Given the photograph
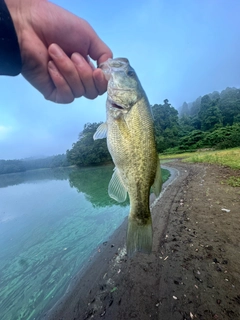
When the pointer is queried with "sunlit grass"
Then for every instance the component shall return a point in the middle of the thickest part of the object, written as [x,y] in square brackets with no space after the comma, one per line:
[175,156]
[228,157]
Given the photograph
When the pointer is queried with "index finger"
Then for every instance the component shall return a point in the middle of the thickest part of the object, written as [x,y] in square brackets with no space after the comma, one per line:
[98,50]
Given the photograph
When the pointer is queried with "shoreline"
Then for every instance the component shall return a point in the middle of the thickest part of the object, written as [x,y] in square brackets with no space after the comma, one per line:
[193,270]
[106,255]
[100,257]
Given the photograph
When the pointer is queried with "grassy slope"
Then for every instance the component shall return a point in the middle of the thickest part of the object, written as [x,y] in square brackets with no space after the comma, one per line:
[228,157]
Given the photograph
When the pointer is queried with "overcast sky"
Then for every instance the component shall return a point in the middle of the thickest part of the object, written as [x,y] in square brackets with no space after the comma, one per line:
[179,49]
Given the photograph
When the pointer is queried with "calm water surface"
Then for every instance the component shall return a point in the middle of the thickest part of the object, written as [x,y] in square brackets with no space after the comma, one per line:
[51,222]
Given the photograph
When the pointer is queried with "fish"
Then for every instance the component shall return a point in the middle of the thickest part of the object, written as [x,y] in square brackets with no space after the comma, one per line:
[129,130]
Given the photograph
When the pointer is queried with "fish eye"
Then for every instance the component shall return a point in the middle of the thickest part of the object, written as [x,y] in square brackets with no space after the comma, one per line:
[130,73]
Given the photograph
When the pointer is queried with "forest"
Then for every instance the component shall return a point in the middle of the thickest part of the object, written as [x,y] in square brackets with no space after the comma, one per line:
[211,121]
[13,166]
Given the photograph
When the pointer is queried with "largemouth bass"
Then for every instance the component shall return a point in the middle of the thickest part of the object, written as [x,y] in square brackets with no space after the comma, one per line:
[130,139]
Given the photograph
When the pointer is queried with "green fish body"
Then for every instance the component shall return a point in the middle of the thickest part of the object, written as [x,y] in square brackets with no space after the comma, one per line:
[130,138]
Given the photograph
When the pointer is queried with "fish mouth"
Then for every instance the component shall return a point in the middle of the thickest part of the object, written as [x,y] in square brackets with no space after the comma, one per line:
[116,106]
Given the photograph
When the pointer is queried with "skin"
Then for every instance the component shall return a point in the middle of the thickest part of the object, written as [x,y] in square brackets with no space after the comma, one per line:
[55,45]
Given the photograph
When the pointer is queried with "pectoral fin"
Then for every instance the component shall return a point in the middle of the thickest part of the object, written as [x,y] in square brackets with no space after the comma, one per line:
[116,188]
[157,185]
[101,132]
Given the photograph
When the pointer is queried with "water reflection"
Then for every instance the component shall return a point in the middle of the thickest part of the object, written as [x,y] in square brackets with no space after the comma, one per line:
[14,179]
[93,183]
[48,230]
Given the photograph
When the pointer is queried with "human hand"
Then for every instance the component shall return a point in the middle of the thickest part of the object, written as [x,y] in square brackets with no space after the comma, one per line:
[55,45]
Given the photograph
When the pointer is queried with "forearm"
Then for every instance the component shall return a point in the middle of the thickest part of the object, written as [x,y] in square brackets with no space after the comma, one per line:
[10,56]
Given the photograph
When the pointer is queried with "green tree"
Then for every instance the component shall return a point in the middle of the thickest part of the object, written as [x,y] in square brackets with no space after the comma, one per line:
[194,107]
[186,126]
[229,105]
[166,125]
[209,113]
[184,110]
[86,151]
[11,166]
[192,141]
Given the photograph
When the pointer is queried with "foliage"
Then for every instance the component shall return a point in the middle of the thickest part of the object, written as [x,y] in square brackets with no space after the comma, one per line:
[234,181]
[166,125]
[223,138]
[9,166]
[86,151]
[193,140]
[209,113]
[212,121]
[59,160]
[14,166]
[229,105]
[214,108]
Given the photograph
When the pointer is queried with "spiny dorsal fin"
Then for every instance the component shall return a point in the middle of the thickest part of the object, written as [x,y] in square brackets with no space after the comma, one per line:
[116,188]
[101,132]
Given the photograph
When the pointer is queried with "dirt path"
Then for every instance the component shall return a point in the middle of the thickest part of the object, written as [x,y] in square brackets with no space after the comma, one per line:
[193,271]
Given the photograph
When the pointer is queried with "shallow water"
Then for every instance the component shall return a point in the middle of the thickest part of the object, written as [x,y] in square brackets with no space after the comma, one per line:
[51,221]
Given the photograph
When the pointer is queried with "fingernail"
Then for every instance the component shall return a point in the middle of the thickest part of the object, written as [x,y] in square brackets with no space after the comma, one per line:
[52,66]
[55,51]
[77,58]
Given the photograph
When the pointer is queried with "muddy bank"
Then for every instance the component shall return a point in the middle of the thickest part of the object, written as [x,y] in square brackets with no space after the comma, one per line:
[193,271]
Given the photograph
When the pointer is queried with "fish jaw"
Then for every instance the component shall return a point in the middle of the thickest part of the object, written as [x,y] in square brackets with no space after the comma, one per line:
[124,88]
[112,65]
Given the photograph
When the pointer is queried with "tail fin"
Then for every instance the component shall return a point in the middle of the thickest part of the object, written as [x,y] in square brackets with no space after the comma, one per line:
[139,237]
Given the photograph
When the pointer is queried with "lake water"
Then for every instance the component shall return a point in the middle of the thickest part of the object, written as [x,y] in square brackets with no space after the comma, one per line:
[51,223]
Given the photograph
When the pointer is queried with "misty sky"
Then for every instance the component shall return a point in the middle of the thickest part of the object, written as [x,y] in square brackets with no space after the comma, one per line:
[179,49]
